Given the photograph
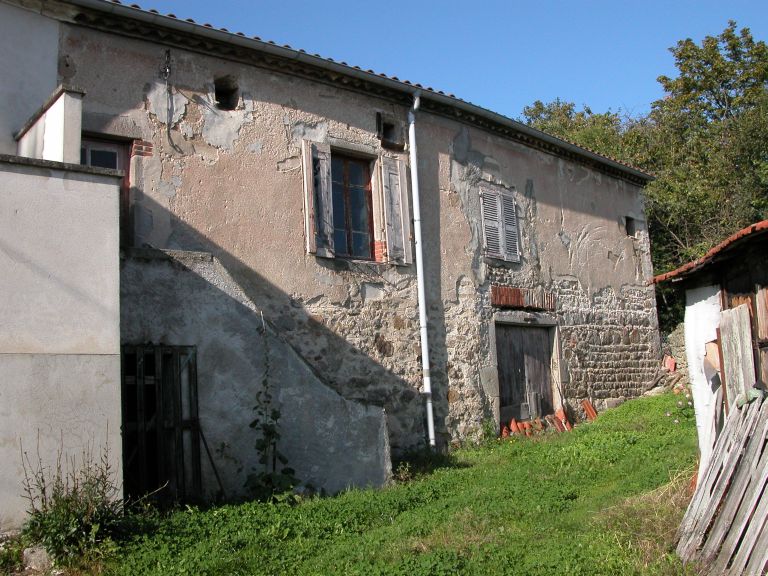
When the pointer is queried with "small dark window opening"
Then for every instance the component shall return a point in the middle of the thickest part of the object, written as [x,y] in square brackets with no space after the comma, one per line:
[227,93]
[630,225]
[389,132]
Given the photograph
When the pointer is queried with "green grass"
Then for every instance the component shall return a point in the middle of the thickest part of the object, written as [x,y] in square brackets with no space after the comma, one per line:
[604,499]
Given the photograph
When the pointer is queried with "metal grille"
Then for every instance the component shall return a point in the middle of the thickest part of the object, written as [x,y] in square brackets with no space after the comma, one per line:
[161,428]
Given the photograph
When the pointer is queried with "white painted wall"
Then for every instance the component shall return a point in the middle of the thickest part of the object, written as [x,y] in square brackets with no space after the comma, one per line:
[29,44]
[59,321]
[57,133]
[59,264]
[702,317]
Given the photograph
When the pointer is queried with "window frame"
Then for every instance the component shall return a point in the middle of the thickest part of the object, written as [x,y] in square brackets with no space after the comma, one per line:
[367,165]
[498,210]
[88,145]
[390,221]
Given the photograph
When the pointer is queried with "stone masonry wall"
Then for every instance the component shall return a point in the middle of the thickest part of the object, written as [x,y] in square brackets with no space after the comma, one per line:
[230,183]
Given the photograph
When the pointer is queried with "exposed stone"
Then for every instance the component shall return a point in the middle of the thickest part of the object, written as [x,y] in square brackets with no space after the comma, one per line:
[36,558]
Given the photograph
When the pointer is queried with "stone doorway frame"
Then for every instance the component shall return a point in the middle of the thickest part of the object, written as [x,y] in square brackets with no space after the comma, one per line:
[530,319]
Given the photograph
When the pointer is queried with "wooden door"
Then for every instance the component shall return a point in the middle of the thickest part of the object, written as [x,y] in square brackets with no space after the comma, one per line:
[524,356]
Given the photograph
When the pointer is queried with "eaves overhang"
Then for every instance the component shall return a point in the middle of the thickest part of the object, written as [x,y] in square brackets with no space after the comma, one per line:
[726,246]
[115,17]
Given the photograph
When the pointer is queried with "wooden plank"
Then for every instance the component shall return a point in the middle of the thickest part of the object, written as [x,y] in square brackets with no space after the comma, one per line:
[536,348]
[736,345]
[710,492]
[724,528]
[750,518]
[710,476]
[761,312]
[723,383]
[759,561]
[751,537]
[736,548]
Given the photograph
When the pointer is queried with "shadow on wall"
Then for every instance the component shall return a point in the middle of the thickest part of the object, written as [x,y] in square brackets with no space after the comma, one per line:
[335,433]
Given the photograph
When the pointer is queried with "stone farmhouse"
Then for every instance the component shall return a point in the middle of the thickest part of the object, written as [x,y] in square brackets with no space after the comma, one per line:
[189,216]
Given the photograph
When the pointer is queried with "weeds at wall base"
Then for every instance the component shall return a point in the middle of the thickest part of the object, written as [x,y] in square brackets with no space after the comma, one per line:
[75,507]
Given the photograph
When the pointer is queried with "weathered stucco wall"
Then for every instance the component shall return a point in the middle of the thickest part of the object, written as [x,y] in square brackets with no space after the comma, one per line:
[574,245]
[59,314]
[29,45]
[189,299]
[230,183]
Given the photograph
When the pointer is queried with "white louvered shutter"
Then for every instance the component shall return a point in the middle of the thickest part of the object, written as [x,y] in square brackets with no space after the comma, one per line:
[492,230]
[509,223]
[318,202]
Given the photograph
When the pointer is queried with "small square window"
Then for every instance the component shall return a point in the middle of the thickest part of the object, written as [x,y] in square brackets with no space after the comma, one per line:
[101,154]
[390,132]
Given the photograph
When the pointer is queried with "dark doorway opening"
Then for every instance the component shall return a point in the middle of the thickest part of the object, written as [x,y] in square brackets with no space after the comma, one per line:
[161,428]
[524,357]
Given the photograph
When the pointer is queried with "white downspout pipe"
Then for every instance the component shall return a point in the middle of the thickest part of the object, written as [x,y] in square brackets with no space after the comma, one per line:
[420,267]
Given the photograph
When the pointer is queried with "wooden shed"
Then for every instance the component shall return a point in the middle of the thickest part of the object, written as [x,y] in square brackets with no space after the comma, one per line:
[726,326]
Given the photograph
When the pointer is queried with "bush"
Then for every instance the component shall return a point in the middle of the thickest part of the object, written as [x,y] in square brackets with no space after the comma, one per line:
[75,510]
[10,554]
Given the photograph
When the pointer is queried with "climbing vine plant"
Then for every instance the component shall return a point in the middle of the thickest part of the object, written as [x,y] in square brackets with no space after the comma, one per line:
[273,476]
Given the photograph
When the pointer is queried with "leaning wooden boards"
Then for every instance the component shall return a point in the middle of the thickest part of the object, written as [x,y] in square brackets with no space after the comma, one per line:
[738,360]
[725,528]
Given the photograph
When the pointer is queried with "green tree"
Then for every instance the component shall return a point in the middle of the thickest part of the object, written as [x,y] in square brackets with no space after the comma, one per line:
[599,132]
[706,142]
[709,146]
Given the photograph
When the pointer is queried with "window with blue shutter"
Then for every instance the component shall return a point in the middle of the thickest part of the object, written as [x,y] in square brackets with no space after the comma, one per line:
[500,228]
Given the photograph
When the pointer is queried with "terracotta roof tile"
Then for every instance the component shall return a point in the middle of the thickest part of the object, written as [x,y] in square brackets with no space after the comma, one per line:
[695,265]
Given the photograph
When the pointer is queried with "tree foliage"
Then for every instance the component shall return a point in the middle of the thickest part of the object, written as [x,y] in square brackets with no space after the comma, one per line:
[706,142]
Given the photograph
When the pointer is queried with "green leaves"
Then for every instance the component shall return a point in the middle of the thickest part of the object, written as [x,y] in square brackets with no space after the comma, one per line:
[706,142]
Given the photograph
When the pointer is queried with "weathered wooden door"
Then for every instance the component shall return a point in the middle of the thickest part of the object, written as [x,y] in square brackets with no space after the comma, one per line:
[524,356]
[161,439]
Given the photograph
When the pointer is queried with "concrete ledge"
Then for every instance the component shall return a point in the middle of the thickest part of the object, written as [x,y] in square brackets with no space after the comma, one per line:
[52,165]
[151,253]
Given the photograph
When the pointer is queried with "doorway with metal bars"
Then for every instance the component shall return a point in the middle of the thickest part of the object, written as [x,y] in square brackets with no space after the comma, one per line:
[161,425]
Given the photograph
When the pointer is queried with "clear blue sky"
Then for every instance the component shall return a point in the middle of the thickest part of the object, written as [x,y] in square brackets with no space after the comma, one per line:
[501,55]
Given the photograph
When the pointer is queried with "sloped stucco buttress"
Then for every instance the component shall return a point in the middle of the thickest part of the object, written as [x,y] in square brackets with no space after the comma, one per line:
[188,299]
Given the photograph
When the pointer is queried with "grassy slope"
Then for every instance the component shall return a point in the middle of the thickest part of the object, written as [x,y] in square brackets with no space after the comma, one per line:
[588,502]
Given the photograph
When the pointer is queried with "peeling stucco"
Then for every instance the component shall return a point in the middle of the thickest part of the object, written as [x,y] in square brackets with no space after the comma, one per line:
[165,103]
[231,183]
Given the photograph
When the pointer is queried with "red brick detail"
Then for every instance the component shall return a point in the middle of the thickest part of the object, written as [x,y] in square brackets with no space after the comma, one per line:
[380,251]
[509,297]
[142,148]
